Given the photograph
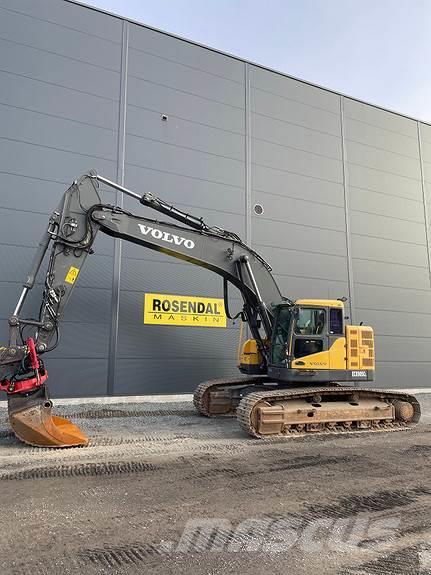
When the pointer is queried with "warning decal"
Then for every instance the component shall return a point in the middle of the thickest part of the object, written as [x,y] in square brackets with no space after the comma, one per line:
[72,274]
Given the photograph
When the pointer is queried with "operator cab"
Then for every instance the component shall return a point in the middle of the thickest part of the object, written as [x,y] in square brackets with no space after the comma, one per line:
[307,335]
[306,328]
[310,339]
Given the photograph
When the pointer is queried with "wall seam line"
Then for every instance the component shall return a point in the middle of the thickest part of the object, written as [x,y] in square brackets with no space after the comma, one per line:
[247,157]
[424,198]
[116,279]
[247,165]
[347,215]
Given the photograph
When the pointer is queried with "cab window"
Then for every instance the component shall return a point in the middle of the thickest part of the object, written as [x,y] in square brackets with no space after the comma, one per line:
[336,321]
[305,347]
[281,334]
[310,321]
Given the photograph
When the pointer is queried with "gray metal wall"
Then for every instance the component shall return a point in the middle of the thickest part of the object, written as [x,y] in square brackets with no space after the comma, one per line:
[345,186]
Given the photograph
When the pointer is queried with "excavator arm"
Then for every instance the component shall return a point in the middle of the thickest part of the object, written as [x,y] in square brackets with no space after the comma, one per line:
[70,235]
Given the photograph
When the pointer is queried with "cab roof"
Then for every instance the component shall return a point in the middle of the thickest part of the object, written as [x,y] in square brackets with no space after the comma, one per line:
[320,302]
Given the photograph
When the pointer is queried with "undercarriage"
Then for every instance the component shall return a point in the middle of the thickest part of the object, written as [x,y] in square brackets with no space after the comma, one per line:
[265,408]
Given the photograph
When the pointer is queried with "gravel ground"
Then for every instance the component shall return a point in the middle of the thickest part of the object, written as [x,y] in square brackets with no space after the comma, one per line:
[161,490]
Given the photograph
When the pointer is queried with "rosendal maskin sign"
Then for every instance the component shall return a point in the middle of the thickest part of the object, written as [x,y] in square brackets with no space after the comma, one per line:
[163,309]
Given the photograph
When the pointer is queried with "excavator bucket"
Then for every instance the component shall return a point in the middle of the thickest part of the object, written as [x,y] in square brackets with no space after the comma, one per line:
[32,422]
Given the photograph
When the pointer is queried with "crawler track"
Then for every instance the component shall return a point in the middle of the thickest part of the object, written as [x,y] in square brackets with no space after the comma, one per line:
[201,393]
[250,402]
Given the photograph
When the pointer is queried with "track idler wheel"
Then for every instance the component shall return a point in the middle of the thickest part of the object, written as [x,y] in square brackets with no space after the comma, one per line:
[404,411]
[32,422]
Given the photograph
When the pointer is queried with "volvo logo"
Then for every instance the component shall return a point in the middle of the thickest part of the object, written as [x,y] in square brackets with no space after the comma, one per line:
[166,237]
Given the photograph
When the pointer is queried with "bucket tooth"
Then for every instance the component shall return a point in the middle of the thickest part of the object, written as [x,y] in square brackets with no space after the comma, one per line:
[32,422]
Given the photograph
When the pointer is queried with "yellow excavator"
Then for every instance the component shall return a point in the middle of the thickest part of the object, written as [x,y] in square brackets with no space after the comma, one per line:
[302,366]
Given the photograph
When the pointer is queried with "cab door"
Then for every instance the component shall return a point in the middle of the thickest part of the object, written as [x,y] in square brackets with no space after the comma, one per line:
[337,339]
[281,336]
[311,338]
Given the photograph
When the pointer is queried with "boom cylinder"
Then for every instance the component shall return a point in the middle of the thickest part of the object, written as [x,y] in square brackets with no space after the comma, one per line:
[261,304]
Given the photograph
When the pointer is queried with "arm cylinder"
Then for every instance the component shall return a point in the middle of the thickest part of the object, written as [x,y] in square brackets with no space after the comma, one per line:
[38,258]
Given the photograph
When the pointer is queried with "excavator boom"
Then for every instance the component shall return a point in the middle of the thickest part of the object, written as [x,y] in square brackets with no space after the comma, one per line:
[70,235]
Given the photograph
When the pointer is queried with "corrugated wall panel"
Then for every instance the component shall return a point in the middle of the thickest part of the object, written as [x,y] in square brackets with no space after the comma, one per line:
[297,176]
[69,15]
[59,117]
[170,375]
[389,240]
[196,160]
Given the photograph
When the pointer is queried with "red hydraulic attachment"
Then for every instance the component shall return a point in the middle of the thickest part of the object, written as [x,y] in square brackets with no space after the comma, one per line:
[29,409]
[25,385]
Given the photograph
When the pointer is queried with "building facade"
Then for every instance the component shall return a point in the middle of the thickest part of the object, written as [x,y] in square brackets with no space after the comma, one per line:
[344,185]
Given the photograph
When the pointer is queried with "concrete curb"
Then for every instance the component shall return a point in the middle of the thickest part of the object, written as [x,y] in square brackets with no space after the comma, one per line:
[125,399]
[119,399]
[162,398]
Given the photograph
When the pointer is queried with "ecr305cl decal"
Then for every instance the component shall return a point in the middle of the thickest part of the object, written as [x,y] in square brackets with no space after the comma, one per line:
[166,237]
[163,309]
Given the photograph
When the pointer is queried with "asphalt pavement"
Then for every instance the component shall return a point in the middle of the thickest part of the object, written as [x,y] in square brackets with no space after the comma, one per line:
[162,490]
